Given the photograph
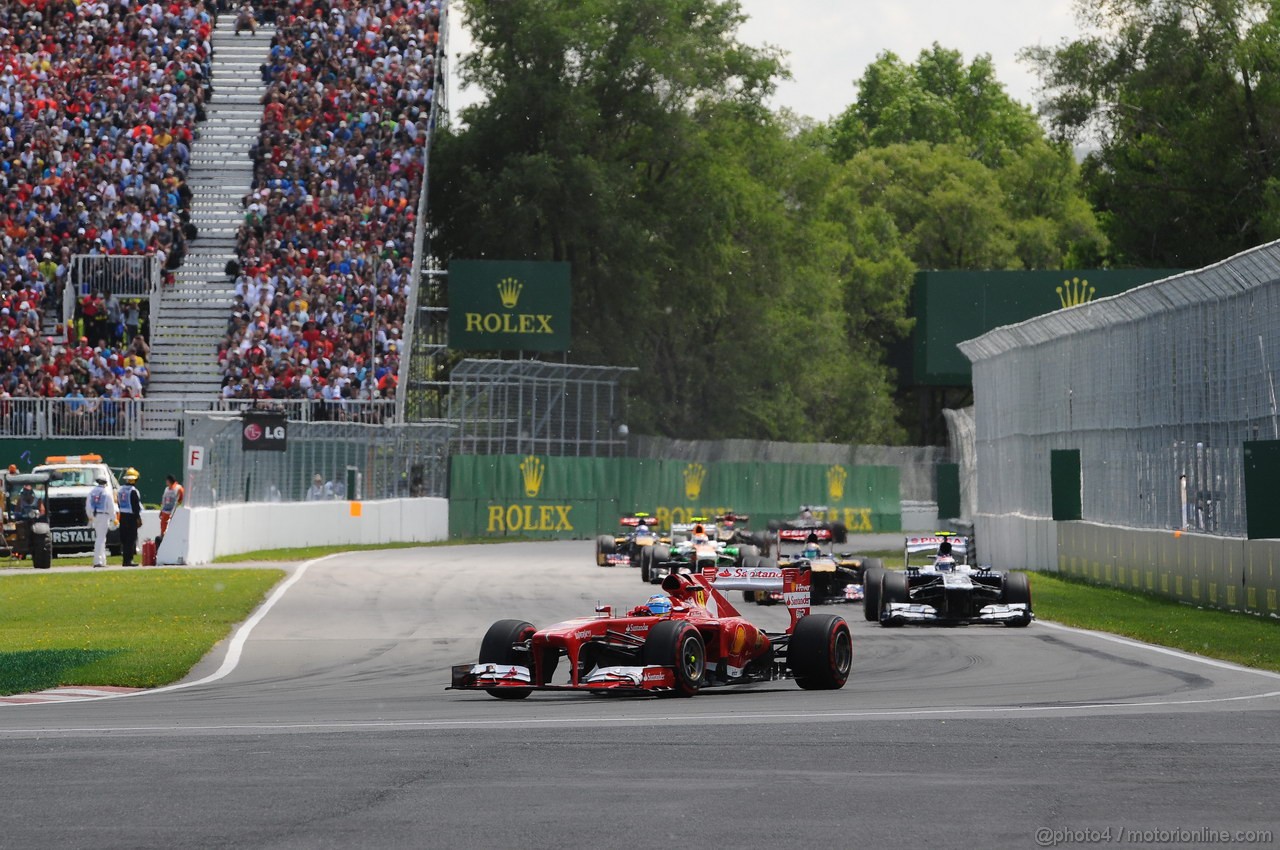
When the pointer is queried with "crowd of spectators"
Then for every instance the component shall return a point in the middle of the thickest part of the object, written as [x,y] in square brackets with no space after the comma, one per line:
[99,102]
[325,250]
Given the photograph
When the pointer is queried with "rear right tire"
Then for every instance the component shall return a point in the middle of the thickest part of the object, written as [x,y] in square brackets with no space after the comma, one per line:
[820,652]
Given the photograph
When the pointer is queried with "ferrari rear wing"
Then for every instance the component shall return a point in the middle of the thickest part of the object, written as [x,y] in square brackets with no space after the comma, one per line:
[793,582]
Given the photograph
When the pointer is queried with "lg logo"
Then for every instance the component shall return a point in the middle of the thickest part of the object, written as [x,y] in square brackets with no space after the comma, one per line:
[255,432]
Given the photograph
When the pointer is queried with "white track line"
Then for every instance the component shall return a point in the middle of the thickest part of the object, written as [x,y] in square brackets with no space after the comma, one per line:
[615,720]
[1163,650]
[234,650]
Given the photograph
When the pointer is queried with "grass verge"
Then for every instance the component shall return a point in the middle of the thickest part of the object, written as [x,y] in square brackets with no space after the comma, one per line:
[142,629]
[300,554]
[1240,638]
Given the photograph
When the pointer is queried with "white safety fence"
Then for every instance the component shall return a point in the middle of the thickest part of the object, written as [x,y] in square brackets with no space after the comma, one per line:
[129,418]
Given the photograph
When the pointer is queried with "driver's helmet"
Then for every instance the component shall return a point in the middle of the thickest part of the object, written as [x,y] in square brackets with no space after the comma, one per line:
[944,564]
[811,551]
[642,529]
[659,604]
[700,537]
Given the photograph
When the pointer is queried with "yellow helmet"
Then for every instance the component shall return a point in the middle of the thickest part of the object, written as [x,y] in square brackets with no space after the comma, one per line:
[130,475]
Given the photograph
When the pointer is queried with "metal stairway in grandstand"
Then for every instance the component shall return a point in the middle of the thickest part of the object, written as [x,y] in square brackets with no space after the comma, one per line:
[190,316]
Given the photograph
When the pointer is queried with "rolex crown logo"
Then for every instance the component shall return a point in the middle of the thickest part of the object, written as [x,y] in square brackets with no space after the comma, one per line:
[531,470]
[836,476]
[694,475]
[1075,291]
[509,291]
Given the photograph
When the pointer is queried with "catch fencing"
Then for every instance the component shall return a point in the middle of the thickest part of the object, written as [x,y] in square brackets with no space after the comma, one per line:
[1158,389]
[353,461]
[533,407]
[1138,413]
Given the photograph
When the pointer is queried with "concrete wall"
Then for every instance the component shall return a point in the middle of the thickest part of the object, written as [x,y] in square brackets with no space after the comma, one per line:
[919,516]
[198,535]
[1230,573]
[1012,542]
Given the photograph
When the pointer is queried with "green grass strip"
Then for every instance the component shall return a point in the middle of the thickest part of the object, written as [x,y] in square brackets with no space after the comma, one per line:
[1240,638]
[130,629]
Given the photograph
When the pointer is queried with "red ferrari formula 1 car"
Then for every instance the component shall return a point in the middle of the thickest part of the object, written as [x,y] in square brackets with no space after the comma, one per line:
[688,638]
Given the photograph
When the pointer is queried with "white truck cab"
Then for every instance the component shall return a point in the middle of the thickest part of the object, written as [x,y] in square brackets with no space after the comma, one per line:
[70,527]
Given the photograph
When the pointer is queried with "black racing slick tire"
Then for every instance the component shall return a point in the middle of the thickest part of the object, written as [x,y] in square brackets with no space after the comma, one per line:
[820,652]
[605,545]
[677,644]
[500,646]
[657,572]
[893,588]
[646,559]
[871,579]
[1017,589]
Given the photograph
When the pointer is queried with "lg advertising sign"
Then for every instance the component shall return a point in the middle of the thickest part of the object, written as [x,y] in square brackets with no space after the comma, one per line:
[508,305]
[263,432]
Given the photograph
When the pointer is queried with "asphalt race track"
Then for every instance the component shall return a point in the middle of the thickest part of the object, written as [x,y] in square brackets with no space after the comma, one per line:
[327,725]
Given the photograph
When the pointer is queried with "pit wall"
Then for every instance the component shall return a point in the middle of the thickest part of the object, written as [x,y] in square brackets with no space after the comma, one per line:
[1229,573]
[198,535]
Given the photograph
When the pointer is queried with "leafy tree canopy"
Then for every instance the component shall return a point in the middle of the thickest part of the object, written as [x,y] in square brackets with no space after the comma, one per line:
[1183,99]
[631,140]
[965,172]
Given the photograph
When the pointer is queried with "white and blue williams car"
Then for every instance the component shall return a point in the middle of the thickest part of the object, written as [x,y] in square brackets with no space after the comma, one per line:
[946,590]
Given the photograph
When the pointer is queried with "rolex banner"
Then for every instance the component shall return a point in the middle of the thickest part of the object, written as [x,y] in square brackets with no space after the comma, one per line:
[508,305]
[567,497]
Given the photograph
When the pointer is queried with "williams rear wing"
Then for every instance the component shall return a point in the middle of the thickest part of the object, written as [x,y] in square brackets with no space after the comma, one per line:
[959,546]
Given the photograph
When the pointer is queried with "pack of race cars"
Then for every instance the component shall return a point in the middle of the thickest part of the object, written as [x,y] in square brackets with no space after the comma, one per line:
[691,637]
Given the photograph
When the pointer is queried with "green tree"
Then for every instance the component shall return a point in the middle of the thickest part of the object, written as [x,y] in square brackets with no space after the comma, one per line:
[938,100]
[964,170]
[1182,98]
[631,140]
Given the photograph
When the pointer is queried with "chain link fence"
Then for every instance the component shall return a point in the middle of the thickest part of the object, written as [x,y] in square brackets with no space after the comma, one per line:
[347,460]
[533,407]
[1157,388]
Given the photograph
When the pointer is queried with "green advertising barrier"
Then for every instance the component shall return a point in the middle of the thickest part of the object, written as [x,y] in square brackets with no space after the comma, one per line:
[154,459]
[565,497]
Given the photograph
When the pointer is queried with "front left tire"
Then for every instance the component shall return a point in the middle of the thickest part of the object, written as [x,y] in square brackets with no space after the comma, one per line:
[677,644]
[500,645]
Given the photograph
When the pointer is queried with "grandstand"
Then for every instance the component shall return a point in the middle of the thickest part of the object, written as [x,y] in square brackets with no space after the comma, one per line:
[236,213]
